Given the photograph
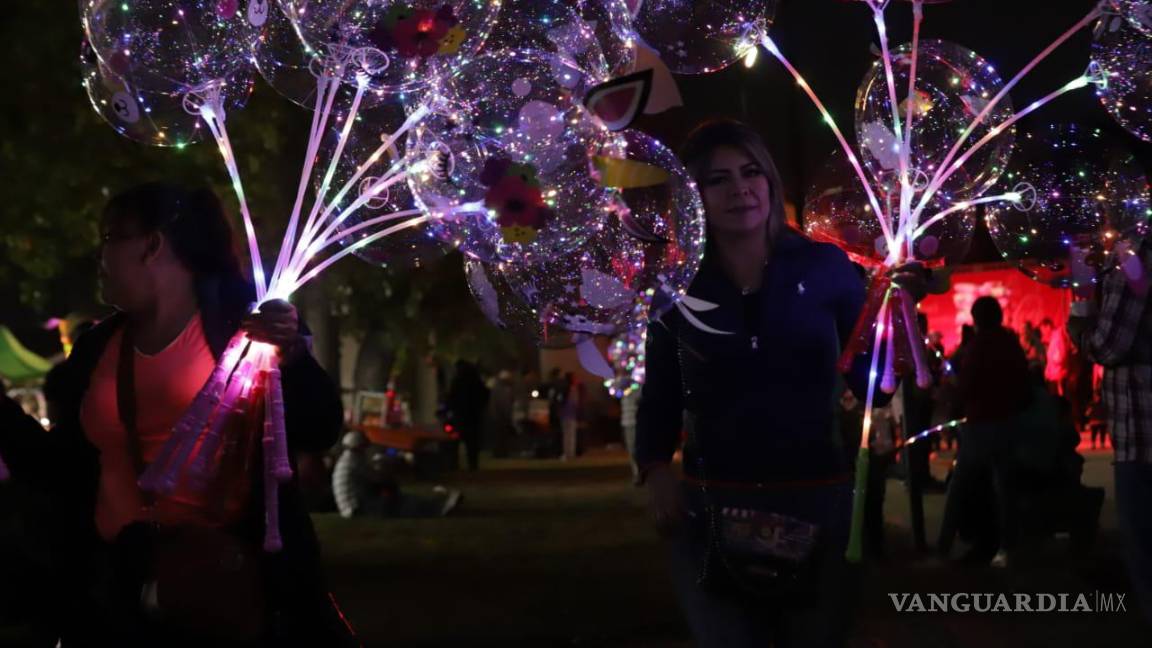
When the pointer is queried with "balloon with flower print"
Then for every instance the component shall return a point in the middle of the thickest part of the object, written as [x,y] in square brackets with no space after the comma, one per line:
[503,162]
[394,46]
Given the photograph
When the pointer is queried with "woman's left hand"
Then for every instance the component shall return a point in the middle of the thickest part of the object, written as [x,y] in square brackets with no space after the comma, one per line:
[276,323]
[912,278]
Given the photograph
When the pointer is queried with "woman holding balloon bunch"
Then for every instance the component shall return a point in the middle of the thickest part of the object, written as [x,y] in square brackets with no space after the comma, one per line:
[754,384]
[137,568]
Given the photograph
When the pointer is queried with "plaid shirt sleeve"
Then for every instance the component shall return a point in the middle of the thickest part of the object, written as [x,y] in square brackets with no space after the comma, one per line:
[1109,337]
[1120,338]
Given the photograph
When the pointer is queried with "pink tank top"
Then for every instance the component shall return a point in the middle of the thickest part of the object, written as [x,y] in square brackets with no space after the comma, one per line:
[165,384]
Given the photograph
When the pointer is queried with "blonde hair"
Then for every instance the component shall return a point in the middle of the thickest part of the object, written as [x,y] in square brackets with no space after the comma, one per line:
[701,144]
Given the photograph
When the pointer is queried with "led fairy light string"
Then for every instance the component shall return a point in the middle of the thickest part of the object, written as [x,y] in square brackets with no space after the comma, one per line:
[947,167]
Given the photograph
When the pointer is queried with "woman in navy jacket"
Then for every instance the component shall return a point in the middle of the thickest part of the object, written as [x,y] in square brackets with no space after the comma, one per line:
[758,403]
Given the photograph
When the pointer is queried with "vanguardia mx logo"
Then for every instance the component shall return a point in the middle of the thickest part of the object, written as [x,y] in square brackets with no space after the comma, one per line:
[987,602]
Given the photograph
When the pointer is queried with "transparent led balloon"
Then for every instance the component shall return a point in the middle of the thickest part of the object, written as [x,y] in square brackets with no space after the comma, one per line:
[700,36]
[953,86]
[1124,57]
[174,45]
[555,27]
[611,21]
[381,177]
[503,163]
[147,116]
[837,211]
[398,45]
[1087,193]
[657,203]
[288,65]
[643,256]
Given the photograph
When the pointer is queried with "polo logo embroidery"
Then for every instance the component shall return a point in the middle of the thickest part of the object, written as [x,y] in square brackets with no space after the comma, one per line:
[800,288]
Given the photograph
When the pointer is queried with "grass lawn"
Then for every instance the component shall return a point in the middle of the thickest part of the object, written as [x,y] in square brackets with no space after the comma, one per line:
[544,553]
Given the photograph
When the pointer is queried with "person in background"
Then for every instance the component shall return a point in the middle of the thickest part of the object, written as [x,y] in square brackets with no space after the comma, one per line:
[571,413]
[1113,328]
[348,475]
[628,404]
[467,403]
[994,389]
[500,426]
[1035,348]
[556,390]
[364,482]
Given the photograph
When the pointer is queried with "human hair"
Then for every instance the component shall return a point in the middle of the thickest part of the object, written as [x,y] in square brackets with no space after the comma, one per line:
[986,313]
[702,142]
[192,220]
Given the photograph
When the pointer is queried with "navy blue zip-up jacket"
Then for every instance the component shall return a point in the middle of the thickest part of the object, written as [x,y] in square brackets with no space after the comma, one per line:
[63,464]
[763,401]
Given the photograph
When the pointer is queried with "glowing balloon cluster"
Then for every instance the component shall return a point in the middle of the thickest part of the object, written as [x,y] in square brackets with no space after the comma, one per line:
[418,141]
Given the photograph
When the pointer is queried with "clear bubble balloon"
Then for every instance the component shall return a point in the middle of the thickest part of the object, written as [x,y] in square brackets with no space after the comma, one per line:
[286,63]
[148,116]
[612,23]
[174,45]
[953,86]
[503,162]
[1124,58]
[643,256]
[1081,191]
[1138,13]
[700,36]
[656,202]
[557,28]
[377,197]
[837,211]
[395,46]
